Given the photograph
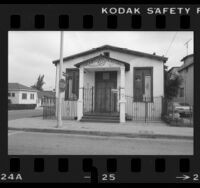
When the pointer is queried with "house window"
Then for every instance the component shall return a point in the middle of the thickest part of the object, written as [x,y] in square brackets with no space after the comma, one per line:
[72,84]
[24,95]
[181,92]
[143,84]
[9,94]
[107,54]
[32,96]
[13,94]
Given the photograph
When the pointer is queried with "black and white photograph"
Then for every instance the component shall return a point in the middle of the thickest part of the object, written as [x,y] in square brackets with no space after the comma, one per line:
[100,92]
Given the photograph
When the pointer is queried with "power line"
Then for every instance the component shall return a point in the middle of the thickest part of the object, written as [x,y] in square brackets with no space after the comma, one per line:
[171,43]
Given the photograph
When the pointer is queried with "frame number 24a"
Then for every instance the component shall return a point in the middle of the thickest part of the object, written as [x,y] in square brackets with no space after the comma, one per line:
[10,177]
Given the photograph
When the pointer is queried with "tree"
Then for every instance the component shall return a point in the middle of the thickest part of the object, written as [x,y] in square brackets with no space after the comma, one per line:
[172,84]
[39,84]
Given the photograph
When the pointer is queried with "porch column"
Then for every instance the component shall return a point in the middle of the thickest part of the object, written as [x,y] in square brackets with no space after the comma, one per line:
[80,100]
[122,95]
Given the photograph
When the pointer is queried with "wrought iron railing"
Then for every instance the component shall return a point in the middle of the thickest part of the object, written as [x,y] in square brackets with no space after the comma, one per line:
[100,100]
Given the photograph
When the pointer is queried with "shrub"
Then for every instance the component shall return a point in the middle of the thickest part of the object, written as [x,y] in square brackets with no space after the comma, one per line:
[21,106]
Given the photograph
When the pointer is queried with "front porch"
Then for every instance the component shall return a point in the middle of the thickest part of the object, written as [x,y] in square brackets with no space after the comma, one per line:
[101,89]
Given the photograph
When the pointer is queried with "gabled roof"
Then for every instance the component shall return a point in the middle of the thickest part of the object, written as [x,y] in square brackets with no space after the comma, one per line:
[19,87]
[114,48]
[48,94]
[127,66]
[173,68]
[187,57]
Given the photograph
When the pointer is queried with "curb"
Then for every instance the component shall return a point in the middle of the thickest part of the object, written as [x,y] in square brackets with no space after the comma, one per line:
[98,133]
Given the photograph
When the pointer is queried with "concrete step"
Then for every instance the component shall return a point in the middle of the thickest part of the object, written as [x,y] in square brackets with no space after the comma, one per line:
[102,114]
[101,117]
[100,120]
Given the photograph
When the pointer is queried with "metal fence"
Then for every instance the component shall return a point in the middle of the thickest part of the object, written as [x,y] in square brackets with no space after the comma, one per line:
[143,110]
[68,108]
[156,109]
[49,108]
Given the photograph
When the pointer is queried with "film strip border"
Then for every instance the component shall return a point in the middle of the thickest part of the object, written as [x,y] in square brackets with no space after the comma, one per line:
[88,22]
[102,170]
[90,17]
[94,169]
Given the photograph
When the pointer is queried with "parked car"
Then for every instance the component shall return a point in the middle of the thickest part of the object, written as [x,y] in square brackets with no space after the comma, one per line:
[184,109]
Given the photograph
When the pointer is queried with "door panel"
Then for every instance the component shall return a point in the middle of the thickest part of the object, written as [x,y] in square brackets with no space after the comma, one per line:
[105,99]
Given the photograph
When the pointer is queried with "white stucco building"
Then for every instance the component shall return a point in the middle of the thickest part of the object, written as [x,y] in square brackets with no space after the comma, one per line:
[20,94]
[113,82]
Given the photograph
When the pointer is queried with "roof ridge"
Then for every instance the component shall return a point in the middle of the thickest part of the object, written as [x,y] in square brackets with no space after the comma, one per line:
[19,86]
[125,50]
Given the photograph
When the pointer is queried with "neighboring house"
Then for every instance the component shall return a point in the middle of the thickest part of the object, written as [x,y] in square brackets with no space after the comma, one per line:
[110,80]
[173,71]
[21,94]
[45,98]
[186,90]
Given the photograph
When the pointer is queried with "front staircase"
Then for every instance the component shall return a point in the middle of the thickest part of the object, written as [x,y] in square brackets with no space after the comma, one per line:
[101,117]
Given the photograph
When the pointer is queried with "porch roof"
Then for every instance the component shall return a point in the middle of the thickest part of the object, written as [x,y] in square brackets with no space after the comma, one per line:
[101,56]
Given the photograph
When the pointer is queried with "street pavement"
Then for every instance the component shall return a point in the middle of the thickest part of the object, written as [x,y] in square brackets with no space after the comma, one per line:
[35,143]
[18,114]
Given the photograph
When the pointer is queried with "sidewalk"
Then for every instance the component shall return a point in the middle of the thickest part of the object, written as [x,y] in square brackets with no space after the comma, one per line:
[128,129]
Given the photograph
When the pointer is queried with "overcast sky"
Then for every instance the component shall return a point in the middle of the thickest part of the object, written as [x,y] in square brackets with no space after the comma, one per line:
[31,53]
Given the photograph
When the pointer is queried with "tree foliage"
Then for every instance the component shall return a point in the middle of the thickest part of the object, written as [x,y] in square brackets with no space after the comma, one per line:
[39,84]
[172,84]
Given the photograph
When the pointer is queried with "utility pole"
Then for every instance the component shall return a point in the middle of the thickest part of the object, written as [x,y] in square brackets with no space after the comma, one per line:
[186,44]
[59,117]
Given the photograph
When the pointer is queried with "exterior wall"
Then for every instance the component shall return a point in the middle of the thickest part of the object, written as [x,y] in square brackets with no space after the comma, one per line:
[134,61]
[39,102]
[89,79]
[14,100]
[188,85]
[18,97]
[189,60]
[28,100]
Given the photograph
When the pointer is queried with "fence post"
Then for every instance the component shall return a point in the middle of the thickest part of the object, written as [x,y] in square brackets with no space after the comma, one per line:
[191,115]
[84,98]
[119,98]
[145,109]
[110,99]
[92,98]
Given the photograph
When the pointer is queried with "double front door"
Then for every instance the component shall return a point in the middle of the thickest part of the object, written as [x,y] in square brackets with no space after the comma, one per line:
[105,91]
